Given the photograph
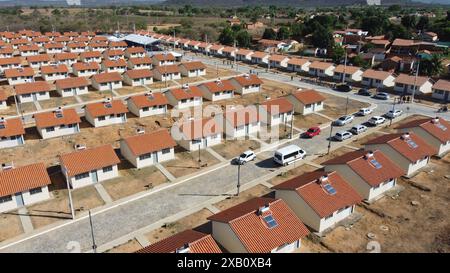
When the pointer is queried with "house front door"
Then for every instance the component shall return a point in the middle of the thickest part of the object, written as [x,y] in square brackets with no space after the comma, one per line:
[19,199]
[34,97]
[155,157]
[94,176]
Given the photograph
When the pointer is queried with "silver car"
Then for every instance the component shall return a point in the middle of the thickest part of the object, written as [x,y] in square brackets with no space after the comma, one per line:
[358,129]
[342,135]
[343,120]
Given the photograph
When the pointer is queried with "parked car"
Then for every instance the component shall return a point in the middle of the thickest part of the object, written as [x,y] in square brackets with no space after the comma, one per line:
[376,120]
[312,132]
[344,88]
[394,113]
[343,120]
[364,92]
[245,157]
[342,135]
[288,155]
[364,111]
[358,129]
[381,96]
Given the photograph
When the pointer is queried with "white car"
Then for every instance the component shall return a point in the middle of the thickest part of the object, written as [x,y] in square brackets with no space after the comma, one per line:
[358,129]
[364,111]
[343,120]
[376,120]
[342,135]
[394,113]
[245,157]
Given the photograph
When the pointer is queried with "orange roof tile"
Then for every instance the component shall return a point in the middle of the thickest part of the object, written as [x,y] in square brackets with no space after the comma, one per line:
[140,60]
[437,127]
[150,142]
[71,83]
[442,85]
[139,73]
[149,100]
[135,49]
[32,87]
[23,179]
[13,127]
[298,61]
[99,109]
[247,80]
[50,69]
[10,60]
[164,57]
[19,72]
[308,96]
[115,63]
[277,106]
[66,56]
[186,93]
[83,161]
[81,66]
[91,54]
[242,116]
[320,65]
[218,86]
[348,69]
[410,80]
[199,128]
[38,58]
[167,69]
[193,65]
[376,74]
[53,45]
[107,77]
[50,119]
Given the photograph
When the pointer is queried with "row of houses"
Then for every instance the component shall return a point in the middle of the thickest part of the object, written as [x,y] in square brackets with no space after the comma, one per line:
[317,200]
[403,83]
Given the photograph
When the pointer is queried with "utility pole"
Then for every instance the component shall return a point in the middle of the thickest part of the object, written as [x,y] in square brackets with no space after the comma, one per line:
[329,139]
[72,210]
[199,155]
[345,65]
[415,81]
[235,64]
[393,108]
[292,125]
[239,179]
[94,246]
[346,107]
[17,105]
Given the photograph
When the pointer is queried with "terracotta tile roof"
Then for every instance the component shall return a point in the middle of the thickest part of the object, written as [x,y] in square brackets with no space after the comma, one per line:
[298,61]
[197,242]
[229,49]
[358,161]
[83,161]
[186,93]
[242,116]
[99,38]
[277,58]
[199,128]
[115,63]
[3,95]
[107,77]
[32,87]
[244,52]
[216,47]
[50,119]
[320,65]
[88,33]
[308,96]
[251,229]
[71,34]
[53,34]
[193,65]
[114,52]
[410,80]
[50,69]
[71,83]
[169,69]
[62,39]
[193,43]
[149,100]
[218,86]
[19,72]
[98,45]
[135,49]
[10,60]
[432,126]
[150,142]
[118,44]
[23,179]
[53,45]
[399,143]
[76,45]
[139,73]
[82,39]
[403,42]
[382,42]
[13,127]
[348,69]
[162,57]
[66,56]
[99,109]
[376,74]
[140,60]
[38,58]
[81,66]
[203,45]
[91,54]
[309,187]
[6,50]
[247,80]
[277,106]
[20,41]
[32,47]
[442,85]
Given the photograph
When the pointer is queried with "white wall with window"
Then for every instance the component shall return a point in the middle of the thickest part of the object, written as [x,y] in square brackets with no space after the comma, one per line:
[60,130]
[38,96]
[106,120]
[10,202]
[92,177]
[12,141]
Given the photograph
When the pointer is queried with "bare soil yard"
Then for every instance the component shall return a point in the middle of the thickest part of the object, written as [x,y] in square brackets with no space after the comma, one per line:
[232,148]
[292,173]
[335,106]
[187,162]
[357,141]
[10,225]
[258,190]
[332,154]
[405,120]
[213,73]
[129,247]
[308,121]
[56,101]
[130,90]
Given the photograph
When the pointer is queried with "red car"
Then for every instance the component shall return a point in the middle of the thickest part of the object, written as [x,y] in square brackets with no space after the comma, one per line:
[312,132]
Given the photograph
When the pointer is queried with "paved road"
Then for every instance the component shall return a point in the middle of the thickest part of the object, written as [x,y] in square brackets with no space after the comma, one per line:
[120,220]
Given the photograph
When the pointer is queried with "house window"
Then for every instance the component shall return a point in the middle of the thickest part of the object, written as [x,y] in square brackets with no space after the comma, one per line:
[145,109]
[145,156]
[308,106]
[50,129]
[5,199]
[165,151]
[35,191]
[196,141]
[107,169]
[328,217]
[81,176]
[101,118]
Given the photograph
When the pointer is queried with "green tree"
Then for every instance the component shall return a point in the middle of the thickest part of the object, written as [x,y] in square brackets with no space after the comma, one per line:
[398,31]
[243,38]
[322,37]
[270,34]
[226,37]
[433,66]
[409,21]
[338,53]
[359,61]
[423,23]
[283,33]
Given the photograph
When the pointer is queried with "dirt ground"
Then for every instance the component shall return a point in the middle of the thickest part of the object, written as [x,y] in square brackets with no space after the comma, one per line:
[37,150]
[410,228]
[158,84]
[335,106]
[292,173]
[342,150]
[129,90]
[212,72]
[189,222]
[10,225]
[56,101]
[258,190]
[308,121]
[357,141]
[133,181]
[405,120]
[95,95]
[232,148]
[128,247]
[187,162]
[57,208]
[27,107]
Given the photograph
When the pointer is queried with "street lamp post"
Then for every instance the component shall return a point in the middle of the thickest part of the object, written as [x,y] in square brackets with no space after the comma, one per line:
[393,108]
[72,210]
[346,106]
[239,179]
[199,158]
[329,139]
[415,81]
[94,246]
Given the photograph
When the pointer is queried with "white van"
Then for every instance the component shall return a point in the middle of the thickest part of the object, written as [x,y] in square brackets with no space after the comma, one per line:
[288,155]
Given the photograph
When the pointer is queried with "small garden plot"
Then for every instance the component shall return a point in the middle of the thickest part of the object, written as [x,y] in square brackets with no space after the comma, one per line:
[332,154]
[284,176]
[188,162]
[10,225]
[232,148]
[256,191]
